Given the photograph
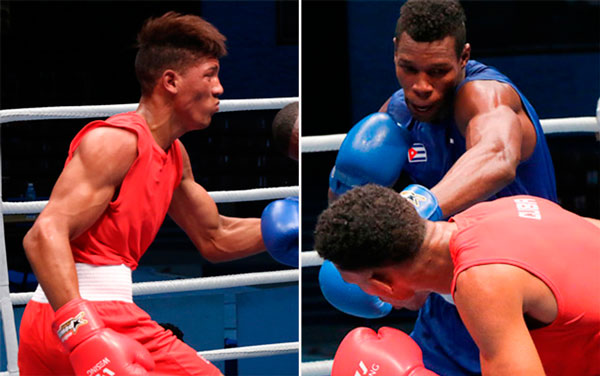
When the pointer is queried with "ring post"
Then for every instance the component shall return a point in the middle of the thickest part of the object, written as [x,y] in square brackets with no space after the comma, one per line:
[8,319]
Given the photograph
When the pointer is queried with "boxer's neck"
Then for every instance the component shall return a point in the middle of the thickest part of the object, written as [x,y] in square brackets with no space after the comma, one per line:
[434,262]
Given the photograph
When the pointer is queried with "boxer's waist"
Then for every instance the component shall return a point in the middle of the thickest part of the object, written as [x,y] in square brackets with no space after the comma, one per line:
[99,283]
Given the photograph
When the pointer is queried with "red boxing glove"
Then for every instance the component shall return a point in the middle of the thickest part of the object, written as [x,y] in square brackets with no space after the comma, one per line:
[389,352]
[95,349]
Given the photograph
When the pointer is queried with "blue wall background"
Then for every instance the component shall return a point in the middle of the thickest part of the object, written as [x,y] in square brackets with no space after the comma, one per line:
[257,67]
[559,84]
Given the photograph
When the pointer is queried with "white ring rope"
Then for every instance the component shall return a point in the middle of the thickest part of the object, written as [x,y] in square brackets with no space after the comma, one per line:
[310,258]
[318,368]
[80,112]
[195,284]
[35,207]
[587,124]
[257,351]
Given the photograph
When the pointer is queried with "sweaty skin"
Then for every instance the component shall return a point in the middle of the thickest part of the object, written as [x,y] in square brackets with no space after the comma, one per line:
[489,114]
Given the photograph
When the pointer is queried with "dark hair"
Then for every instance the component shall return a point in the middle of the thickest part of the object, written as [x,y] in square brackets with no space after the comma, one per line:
[174,41]
[367,227]
[432,20]
[173,328]
[283,127]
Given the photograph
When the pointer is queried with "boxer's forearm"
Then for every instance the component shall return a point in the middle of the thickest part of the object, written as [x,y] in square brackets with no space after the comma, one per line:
[477,175]
[52,262]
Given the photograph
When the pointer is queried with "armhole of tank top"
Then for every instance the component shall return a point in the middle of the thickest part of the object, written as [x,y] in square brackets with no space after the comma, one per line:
[79,136]
[179,162]
[527,268]
[537,134]
[114,203]
[536,129]
[553,289]
[102,123]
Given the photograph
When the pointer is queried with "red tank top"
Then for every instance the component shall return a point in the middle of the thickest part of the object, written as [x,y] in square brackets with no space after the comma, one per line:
[558,247]
[129,224]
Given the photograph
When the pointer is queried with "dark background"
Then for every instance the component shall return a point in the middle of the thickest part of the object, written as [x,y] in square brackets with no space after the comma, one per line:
[549,49]
[82,53]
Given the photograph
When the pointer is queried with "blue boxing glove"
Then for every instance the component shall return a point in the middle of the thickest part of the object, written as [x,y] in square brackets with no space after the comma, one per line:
[424,201]
[280,226]
[374,151]
[348,297]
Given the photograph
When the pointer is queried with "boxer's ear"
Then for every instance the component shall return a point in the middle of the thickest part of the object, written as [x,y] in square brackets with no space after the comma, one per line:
[380,281]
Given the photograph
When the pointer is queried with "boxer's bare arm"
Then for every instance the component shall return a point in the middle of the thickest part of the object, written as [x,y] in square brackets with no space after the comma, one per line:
[217,237]
[498,136]
[81,194]
[490,301]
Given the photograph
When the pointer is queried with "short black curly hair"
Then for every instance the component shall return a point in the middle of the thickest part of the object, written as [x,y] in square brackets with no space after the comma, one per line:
[369,226]
[432,20]
[283,126]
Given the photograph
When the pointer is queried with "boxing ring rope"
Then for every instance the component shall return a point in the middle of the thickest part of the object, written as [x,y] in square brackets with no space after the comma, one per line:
[258,351]
[146,288]
[195,284]
[82,112]
[257,194]
[586,124]
[314,144]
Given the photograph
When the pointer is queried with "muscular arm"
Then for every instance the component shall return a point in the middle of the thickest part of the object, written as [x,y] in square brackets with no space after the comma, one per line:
[490,301]
[217,237]
[81,194]
[498,134]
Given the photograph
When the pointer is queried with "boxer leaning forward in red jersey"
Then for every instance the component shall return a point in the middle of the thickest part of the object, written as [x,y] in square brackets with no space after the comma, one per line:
[524,274]
[121,178]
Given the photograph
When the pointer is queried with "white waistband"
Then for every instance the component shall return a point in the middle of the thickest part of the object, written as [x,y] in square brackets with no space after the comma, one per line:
[99,283]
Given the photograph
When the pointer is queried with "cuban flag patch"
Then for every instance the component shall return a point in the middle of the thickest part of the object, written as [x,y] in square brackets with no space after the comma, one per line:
[417,153]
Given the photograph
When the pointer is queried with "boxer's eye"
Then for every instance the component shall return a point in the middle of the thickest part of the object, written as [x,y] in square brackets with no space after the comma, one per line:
[408,69]
[437,72]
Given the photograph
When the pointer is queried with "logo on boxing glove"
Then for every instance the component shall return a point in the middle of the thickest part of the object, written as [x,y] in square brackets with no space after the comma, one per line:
[413,197]
[69,327]
[365,370]
[100,366]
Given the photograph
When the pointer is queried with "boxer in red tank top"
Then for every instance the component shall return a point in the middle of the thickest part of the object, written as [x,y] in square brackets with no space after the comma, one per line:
[122,176]
[524,274]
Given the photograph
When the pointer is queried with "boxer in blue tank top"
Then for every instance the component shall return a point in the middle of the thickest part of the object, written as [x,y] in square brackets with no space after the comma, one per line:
[468,135]
[461,140]
[434,148]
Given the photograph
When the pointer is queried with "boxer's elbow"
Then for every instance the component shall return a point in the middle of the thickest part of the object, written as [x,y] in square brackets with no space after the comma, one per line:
[43,232]
[210,248]
[214,255]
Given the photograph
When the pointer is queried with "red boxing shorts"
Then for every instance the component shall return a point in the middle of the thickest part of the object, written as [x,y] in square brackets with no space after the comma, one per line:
[41,353]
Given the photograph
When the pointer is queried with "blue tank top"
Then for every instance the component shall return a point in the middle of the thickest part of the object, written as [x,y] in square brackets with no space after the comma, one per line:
[435,147]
